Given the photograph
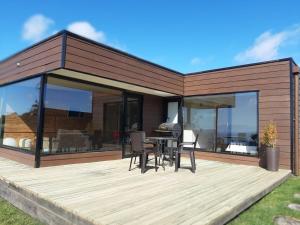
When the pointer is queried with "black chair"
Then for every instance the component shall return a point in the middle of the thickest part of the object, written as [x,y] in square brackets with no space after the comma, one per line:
[142,149]
[191,151]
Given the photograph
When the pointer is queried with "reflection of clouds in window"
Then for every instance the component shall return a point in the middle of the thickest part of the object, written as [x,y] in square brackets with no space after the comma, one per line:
[65,98]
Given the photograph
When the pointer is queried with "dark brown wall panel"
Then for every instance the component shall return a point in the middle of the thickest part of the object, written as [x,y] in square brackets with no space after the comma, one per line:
[43,57]
[89,58]
[244,160]
[272,80]
[152,113]
[24,158]
[297,124]
[55,160]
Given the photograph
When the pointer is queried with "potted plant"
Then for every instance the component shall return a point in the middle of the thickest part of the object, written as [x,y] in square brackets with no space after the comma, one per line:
[269,142]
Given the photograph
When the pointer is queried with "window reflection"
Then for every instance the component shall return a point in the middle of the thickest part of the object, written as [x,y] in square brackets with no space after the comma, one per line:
[19,108]
[80,117]
[225,123]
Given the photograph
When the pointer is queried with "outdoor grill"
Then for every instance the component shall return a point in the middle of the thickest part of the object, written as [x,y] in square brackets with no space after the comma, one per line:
[169,129]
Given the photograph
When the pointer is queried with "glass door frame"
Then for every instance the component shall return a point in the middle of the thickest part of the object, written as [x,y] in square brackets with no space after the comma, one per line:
[178,99]
[140,99]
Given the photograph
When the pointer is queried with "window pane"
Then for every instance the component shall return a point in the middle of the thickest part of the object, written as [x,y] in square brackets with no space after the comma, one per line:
[172,112]
[19,108]
[81,117]
[237,124]
[236,118]
[199,118]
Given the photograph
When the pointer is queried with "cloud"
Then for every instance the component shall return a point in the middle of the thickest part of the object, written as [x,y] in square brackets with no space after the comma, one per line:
[85,29]
[196,61]
[36,27]
[267,46]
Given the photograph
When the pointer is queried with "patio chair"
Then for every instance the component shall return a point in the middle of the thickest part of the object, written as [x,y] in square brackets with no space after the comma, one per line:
[191,151]
[142,149]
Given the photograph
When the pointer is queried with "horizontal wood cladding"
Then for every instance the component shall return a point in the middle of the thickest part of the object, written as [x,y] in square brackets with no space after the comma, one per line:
[152,113]
[237,159]
[271,80]
[97,60]
[43,57]
[55,160]
[21,157]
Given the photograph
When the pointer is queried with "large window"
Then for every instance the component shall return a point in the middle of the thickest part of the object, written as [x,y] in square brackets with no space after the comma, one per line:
[225,123]
[19,109]
[80,117]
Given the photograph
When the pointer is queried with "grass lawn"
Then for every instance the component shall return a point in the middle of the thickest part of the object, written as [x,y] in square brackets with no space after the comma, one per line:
[10,215]
[274,204]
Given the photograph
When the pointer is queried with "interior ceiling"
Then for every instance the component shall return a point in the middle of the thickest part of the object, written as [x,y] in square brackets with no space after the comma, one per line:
[112,83]
[213,101]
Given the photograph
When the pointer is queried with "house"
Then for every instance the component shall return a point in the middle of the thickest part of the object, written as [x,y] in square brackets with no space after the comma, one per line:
[68,99]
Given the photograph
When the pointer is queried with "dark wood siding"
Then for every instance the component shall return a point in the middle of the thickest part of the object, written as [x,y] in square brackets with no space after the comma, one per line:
[152,113]
[41,58]
[237,159]
[297,125]
[93,59]
[21,157]
[272,80]
[55,160]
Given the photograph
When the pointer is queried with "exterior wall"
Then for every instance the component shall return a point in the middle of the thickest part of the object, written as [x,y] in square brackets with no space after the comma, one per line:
[86,57]
[152,113]
[272,80]
[41,58]
[238,159]
[55,160]
[297,127]
[21,157]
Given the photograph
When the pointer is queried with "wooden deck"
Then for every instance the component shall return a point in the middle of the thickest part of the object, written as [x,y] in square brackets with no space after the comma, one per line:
[107,193]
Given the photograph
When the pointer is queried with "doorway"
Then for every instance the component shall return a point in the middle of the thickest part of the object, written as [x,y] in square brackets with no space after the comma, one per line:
[133,118]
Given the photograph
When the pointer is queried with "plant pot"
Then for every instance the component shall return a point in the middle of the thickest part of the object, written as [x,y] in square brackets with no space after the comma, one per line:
[272,158]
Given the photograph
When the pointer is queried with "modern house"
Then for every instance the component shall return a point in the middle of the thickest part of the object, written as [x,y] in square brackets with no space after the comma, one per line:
[68,99]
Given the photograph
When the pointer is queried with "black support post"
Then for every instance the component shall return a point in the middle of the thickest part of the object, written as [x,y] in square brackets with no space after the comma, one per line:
[40,122]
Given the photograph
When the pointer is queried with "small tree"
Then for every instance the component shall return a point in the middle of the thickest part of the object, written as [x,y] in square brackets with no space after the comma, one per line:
[270,135]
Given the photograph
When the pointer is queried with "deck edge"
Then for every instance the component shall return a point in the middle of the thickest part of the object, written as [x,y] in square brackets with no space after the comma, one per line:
[247,203]
[38,207]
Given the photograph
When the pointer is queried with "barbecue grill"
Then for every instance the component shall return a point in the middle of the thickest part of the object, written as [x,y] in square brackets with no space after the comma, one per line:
[169,129]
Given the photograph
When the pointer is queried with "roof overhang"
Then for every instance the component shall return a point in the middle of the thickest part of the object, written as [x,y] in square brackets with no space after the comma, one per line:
[109,82]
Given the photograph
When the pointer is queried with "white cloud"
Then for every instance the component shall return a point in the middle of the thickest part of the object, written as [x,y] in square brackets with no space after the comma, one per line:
[85,29]
[36,27]
[196,61]
[267,46]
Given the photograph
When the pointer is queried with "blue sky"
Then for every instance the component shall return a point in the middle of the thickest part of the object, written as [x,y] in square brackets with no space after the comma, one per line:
[186,36]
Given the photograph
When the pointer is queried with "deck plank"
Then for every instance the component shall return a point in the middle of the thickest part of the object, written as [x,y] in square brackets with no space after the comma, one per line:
[107,193]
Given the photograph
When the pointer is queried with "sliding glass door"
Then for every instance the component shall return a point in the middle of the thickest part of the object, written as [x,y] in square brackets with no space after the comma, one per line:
[133,111]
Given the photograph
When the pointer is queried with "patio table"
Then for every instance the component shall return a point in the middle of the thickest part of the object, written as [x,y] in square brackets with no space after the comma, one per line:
[161,141]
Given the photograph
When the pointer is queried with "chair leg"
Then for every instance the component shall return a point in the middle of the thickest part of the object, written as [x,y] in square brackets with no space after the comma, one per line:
[144,162]
[162,161]
[134,160]
[192,161]
[176,161]
[155,163]
[130,163]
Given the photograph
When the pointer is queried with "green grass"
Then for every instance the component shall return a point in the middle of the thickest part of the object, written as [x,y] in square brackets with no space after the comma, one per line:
[274,204]
[10,215]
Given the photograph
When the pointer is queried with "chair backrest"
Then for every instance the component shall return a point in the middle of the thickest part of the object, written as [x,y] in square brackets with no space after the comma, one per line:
[137,139]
